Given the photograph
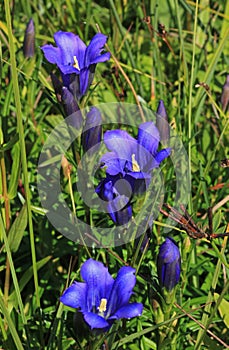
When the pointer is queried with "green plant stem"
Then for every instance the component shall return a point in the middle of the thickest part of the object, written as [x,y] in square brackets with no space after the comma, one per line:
[22,143]
[190,141]
[7,222]
[206,319]
[12,328]
[14,276]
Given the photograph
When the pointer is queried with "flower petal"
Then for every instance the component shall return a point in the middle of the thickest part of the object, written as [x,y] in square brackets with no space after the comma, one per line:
[122,289]
[84,77]
[102,58]
[99,282]
[164,153]
[52,54]
[95,321]
[106,190]
[148,136]
[128,311]
[93,51]
[70,45]
[120,142]
[112,162]
[75,296]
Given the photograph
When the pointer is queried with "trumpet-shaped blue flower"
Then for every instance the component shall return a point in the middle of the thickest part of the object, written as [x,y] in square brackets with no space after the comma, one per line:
[72,56]
[133,159]
[101,299]
[169,264]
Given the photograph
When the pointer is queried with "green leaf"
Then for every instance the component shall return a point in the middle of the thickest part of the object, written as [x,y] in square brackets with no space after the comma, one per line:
[9,145]
[223,309]
[13,185]
[17,229]
[27,277]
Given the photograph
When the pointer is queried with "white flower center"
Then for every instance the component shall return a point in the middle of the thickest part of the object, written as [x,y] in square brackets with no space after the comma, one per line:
[76,63]
[135,166]
[103,305]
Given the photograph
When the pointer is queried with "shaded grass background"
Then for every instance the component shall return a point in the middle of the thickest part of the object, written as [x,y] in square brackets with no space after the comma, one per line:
[36,261]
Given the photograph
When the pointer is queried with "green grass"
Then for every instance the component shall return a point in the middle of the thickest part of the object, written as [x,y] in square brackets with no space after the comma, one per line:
[36,261]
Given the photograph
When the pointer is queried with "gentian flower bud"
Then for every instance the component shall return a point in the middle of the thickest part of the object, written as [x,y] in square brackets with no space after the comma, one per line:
[92,130]
[225,94]
[169,264]
[57,87]
[71,108]
[120,210]
[29,39]
[162,123]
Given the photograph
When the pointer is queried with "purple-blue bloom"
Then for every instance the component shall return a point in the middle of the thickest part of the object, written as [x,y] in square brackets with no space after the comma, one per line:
[133,159]
[92,131]
[72,56]
[169,264]
[101,299]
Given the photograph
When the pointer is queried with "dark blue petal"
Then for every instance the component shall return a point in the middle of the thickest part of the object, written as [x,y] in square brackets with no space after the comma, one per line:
[139,175]
[95,321]
[120,142]
[148,137]
[67,69]
[106,190]
[70,45]
[128,311]
[52,54]
[99,282]
[161,155]
[93,51]
[75,296]
[112,163]
[84,77]
[102,58]
[122,289]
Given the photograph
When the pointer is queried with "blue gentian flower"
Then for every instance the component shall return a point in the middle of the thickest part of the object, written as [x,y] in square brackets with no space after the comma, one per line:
[92,130]
[169,264]
[101,299]
[73,57]
[133,159]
